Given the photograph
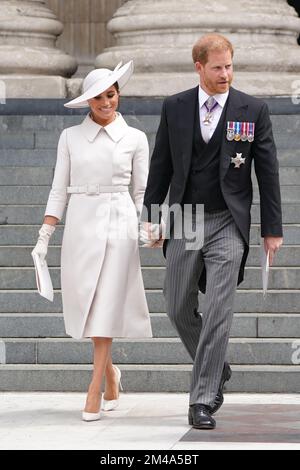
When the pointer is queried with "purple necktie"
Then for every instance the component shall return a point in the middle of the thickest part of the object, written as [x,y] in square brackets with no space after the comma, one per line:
[210,104]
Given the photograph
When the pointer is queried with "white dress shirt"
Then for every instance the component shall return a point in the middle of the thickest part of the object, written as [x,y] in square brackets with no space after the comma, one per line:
[208,130]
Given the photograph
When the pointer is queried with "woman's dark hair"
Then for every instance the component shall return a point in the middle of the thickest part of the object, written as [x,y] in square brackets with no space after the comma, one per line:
[116,85]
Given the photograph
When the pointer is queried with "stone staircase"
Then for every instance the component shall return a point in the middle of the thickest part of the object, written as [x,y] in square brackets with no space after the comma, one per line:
[35,353]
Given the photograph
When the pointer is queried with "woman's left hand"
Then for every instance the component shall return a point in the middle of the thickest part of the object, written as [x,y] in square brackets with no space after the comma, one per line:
[151,235]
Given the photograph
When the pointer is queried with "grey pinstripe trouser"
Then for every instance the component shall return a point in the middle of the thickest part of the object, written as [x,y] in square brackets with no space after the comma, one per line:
[205,339]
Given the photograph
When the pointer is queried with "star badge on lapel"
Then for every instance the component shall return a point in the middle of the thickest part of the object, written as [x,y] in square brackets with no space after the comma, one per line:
[238,160]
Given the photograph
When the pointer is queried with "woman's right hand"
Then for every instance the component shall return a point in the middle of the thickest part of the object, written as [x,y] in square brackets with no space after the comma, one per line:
[41,247]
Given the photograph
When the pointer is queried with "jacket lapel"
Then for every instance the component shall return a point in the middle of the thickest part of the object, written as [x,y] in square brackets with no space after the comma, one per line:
[236,110]
[186,118]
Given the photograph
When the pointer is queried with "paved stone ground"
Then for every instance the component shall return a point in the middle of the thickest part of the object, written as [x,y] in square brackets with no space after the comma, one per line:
[147,421]
[253,424]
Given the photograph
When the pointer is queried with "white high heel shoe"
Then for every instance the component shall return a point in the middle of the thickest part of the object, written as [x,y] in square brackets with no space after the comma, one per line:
[86,416]
[109,405]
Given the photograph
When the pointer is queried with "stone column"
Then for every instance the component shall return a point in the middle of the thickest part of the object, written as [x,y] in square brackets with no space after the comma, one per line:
[159,36]
[85,34]
[30,64]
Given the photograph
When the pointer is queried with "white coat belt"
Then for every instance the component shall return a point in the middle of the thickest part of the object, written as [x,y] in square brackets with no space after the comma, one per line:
[96,189]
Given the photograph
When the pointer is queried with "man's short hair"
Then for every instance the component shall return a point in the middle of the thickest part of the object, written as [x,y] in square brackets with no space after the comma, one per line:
[209,43]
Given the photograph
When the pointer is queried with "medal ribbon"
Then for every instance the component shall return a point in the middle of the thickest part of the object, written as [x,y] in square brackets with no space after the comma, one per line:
[238,126]
[211,110]
[251,128]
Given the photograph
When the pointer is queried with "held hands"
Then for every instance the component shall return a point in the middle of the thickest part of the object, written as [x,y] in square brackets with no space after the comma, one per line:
[272,244]
[41,247]
[152,235]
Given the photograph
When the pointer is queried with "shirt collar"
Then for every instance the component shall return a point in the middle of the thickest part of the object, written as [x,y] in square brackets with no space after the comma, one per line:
[221,98]
[116,129]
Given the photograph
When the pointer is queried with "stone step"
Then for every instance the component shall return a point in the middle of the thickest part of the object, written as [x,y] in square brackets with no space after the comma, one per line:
[35,138]
[10,256]
[279,278]
[146,378]
[276,301]
[43,176]
[34,214]
[51,325]
[53,122]
[241,351]
[286,140]
[289,194]
[46,157]
[28,195]
[20,176]
[48,140]
[287,175]
[28,157]
[28,234]
[37,123]
[17,140]
[289,122]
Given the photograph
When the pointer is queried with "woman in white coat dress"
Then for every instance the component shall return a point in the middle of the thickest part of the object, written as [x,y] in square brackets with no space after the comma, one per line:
[102,287]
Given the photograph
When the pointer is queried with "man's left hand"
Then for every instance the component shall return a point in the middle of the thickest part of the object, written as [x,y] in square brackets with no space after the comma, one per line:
[272,244]
[152,235]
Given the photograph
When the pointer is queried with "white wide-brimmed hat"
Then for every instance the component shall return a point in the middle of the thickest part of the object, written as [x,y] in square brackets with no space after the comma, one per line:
[99,80]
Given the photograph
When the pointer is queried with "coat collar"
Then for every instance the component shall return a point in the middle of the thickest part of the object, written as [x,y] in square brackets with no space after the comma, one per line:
[116,129]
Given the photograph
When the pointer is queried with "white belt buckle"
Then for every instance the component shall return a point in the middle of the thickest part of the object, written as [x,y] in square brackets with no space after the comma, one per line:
[92,189]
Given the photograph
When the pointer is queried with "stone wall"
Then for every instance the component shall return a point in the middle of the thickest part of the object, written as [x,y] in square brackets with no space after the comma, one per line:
[85,34]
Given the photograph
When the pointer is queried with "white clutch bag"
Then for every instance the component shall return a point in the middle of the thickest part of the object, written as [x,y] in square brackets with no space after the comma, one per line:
[265,268]
[43,279]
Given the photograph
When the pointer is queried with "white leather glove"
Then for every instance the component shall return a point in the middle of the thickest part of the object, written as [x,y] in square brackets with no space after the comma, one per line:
[41,247]
[150,236]
[156,232]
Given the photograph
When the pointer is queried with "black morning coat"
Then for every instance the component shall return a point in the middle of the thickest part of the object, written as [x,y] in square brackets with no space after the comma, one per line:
[171,161]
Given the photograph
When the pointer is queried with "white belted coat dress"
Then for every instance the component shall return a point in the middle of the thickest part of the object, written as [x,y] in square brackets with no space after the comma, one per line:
[101,280]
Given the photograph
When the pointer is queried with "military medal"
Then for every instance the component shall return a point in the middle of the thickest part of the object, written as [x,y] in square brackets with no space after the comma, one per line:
[237,126]
[250,131]
[209,115]
[244,135]
[208,119]
[238,160]
[230,130]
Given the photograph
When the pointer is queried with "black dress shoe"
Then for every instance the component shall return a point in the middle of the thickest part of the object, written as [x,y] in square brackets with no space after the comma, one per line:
[226,374]
[200,418]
